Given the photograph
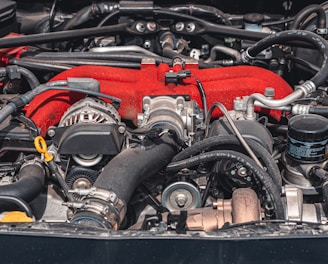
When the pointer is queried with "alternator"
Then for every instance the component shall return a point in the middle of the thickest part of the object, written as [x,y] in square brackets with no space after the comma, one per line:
[90,110]
[88,130]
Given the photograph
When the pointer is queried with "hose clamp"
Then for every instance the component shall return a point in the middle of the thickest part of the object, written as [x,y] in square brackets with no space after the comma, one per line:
[308,87]
[101,202]
[245,57]
[94,192]
[35,161]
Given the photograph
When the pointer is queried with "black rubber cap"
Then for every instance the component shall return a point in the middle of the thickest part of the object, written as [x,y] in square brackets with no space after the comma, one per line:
[253,18]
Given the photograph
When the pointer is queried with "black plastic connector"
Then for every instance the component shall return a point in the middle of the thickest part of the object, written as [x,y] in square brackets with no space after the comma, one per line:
[177,77]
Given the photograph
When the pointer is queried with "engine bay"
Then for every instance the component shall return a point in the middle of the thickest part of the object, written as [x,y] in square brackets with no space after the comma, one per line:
[140,115]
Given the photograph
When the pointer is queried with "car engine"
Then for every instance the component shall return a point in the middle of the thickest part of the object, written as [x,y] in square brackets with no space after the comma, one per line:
[141,115]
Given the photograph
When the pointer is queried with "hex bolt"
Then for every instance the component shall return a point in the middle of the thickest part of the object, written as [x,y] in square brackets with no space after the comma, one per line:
[146,107]
[179,26]
[242,172]
[51,132]
[140,27]
[121,129]
[180,199]
[190,27]
[147,44]
[269,92]
[151,26]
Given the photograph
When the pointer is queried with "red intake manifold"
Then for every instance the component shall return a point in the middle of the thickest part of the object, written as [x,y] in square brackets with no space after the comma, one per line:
[220,84]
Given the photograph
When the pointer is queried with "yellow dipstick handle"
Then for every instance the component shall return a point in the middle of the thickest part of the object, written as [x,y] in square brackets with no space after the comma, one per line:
[41,147]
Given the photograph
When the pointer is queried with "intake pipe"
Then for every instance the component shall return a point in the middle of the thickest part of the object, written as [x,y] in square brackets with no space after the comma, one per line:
[29,185]
[105,204]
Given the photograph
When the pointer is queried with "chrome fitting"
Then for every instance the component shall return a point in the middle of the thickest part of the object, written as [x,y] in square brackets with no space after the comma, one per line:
[300,109]
[245,57]
[308,87]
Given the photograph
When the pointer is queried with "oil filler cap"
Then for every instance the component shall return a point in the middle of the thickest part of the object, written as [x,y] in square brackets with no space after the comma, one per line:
[307,138]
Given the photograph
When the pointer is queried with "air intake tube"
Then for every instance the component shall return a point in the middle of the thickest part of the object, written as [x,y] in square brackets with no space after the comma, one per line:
[105,204]
[29,185]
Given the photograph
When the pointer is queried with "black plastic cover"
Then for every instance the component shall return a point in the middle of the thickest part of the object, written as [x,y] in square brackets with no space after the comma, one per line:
[90,139]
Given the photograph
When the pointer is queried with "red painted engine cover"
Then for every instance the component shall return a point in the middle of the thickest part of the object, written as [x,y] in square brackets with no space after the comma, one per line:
[220,84]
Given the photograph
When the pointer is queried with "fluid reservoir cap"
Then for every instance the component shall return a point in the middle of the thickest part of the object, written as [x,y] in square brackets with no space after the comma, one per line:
[253,18]
[307,138]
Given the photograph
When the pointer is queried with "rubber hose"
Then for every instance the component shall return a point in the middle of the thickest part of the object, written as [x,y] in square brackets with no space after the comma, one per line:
[29,185]
[27,74]
[202,10]
[128,169]
[247,162]
[90,12]
[323,111]
[217,141]
[307,36]
[61,36]
[123,174]
[102,56]
[30,77]
[19,202]
[306,12]
[61,64]
[41,65]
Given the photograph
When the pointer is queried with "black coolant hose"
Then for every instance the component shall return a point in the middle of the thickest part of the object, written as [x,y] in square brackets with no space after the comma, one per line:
[259,173]
[30,183]
[62,35]
[14,72]
[85,85]
[30,77]
[291,35]
[223,140]
[204,10]
[122,56]
[90,12]
[18,202]
[133,165]
[121,176]
[306,12]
